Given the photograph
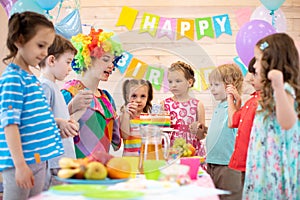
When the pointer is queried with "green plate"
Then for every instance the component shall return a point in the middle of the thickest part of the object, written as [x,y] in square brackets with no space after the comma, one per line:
[114,194]
[76,188]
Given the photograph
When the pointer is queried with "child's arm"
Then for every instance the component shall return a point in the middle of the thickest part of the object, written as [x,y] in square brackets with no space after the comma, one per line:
[284,102]
[129,112]
[162,103]
[23,176]
[68,128]
[199,127]
[234,103]
[125,124]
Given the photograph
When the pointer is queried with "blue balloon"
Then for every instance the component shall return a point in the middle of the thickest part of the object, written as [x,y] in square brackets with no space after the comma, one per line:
[47,4]
[70,25]
[26,5]
[272,4]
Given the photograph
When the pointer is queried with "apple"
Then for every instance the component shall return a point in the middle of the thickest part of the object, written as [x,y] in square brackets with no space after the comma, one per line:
[95,171]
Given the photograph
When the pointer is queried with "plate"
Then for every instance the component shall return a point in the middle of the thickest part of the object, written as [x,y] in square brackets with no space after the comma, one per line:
[114,194]
[150,187]
[168,129]
[106,181]
[76,189]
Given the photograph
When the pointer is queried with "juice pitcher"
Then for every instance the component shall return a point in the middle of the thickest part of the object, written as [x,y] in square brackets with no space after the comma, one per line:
[151,147]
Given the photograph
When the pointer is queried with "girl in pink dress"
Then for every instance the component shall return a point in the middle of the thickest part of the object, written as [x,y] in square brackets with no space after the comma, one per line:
[186,112]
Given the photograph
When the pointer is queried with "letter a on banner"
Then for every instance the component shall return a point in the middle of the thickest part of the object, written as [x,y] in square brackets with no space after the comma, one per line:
[155,75]
[136,69]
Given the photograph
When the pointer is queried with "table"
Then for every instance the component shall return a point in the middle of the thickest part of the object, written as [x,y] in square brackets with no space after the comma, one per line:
[200,189]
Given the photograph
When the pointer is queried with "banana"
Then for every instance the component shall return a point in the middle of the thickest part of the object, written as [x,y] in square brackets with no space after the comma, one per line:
[67,173]
[67,163]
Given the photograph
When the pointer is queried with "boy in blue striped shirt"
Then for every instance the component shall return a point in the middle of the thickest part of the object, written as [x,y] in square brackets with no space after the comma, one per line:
[28,132]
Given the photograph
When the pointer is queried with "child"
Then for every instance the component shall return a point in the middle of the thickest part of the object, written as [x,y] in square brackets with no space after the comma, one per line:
[272,170]
[56,66]
[137,95]
[220,138]
[242,118]
[28,132]
[94,62]
[184,110]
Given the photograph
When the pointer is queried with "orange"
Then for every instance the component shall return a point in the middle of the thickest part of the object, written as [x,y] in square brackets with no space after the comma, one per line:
[118,168]
[192,149]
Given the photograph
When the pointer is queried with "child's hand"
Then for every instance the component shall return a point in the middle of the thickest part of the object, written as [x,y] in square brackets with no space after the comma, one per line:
[200,130]
[194,127]
[131,109]
[24,177]
[276,78]
[68,128]
[82,100]
[232,92]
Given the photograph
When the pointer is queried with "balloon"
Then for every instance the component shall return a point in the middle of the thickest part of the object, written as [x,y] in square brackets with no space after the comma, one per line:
[272,4]
[70,25]
[249,35]
[7,5]
[47,4]
[264,14]
[26,5]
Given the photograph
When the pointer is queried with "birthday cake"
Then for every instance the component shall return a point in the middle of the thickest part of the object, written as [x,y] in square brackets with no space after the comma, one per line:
[161,120]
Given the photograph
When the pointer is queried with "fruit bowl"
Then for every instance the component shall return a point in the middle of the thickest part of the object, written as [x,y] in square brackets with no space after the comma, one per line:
[106,181]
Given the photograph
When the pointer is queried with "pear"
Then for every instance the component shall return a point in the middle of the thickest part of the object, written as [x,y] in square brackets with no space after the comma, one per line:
[95,171]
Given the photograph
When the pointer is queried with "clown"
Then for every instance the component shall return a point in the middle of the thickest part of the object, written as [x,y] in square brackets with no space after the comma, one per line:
[91,106]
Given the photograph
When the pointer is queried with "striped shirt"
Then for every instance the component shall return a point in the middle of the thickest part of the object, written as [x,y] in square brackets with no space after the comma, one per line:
[133,142]
[22,102]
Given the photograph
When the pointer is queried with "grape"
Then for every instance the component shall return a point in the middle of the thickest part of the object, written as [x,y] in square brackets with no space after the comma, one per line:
[181,145]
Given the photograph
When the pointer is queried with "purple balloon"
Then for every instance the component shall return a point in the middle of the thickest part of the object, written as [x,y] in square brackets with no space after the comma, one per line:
[7,5]
[248,35]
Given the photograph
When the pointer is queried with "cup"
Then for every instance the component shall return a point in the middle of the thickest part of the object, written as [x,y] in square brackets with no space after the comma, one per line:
[152,168]
[134,162]
[193,163]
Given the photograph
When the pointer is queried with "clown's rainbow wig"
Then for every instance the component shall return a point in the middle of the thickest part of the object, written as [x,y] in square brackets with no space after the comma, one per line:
[95,44]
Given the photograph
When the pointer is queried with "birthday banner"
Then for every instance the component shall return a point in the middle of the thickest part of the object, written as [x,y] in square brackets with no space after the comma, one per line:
[134,68]
[176,28]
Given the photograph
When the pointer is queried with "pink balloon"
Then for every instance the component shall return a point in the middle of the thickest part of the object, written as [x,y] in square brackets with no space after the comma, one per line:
[7,5]
[249,35]
[263,13]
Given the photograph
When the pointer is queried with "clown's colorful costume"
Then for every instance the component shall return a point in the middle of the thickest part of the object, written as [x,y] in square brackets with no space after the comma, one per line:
[96,124]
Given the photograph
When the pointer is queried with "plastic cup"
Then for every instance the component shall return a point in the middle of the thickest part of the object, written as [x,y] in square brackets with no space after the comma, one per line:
[193,163]
[134,162]
[152,168]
